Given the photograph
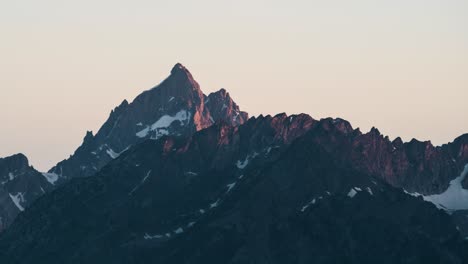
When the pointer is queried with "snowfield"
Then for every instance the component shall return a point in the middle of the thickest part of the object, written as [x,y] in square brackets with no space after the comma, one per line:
[165,122]
[454,198]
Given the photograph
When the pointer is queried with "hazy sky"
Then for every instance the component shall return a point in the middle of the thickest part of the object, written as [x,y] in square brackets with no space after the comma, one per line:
[399,65]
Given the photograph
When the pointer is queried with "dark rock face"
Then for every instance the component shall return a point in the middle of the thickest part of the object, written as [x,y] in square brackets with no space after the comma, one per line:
[177,106]
[224,108]
[415,166]
[20,185]
[459,150]
[262,192]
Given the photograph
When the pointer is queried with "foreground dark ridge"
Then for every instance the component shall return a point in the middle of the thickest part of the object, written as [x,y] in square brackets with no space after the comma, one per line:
[144,200]
[269,191]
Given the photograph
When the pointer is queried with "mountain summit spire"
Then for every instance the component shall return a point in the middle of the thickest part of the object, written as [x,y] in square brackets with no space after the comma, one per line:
[179,68]
[176,106]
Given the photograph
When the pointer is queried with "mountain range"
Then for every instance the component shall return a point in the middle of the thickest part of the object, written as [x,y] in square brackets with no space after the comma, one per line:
[177,176]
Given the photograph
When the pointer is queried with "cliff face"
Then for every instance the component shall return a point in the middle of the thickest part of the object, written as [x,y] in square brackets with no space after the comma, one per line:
[20,185]
[415,166]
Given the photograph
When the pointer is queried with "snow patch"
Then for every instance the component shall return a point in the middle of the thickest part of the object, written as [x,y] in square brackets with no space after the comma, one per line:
[17,200]
[50,177]
[230,186]
[141,183]
[112,153]
[242,164]
[352,193]
[307,205]
[454,198]
[11,177]
[164,122]
[148,237]
[179,230]
[215,204]
[146,177]
[234,119]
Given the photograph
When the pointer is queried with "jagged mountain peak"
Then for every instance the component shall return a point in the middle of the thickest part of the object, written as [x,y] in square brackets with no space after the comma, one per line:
[221,92]
[179,68]
[20,185]
[337,123]
[89,136]
[181,81]
[224,108]
[176,106]
[375,131]
[397,142]
[178,88]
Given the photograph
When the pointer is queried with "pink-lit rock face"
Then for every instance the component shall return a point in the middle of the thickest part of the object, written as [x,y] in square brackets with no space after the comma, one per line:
[459,150]
[176,106]
[415,166]
[224,108]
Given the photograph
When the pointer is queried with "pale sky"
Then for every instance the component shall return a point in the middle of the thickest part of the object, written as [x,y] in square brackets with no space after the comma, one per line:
[399,65]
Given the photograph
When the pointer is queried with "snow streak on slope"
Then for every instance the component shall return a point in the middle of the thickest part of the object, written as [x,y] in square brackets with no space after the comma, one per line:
[454,198]
[141,183]
[17,199]
[163,123]
[50,177]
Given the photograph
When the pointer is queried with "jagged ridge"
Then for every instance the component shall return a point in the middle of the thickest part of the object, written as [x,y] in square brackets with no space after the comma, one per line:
[177,106]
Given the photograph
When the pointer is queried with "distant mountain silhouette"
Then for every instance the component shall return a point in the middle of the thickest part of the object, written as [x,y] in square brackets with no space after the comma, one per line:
[177,176]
